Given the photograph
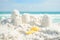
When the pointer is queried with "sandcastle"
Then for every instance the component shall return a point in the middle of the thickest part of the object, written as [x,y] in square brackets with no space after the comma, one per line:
[25,18]
[45,21]
[27,27]
[16,18]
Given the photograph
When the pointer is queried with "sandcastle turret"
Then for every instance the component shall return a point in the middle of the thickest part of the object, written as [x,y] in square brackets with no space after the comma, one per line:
[45,21]
[25,18]
[16,17]
[0,22]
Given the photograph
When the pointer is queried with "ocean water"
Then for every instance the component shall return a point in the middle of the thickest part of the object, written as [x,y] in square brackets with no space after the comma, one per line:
[32,12]
[7,14]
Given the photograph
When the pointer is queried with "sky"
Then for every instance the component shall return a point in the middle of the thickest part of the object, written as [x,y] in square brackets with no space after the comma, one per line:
[30,5]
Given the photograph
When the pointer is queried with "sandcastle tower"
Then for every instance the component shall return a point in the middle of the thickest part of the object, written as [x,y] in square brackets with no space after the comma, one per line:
[33,20]
[16,18]
[0,22]
[45,21]
[25,18]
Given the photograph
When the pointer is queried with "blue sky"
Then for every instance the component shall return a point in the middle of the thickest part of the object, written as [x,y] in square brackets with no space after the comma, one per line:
[30,5]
